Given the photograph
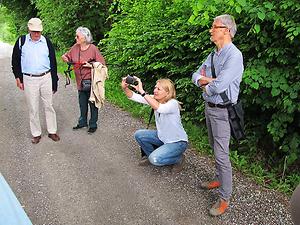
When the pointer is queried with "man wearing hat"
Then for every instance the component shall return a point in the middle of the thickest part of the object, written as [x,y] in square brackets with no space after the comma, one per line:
[35,69]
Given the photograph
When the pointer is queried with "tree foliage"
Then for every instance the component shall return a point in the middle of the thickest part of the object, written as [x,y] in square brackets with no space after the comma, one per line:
[7,28]
[62,18]
[21,11]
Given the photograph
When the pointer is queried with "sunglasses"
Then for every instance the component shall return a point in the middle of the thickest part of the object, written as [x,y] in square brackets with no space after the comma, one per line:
[217,27]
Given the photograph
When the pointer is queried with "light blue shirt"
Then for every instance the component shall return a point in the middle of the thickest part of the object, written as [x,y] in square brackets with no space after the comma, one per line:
[35,56]
[167,120]
[228,63]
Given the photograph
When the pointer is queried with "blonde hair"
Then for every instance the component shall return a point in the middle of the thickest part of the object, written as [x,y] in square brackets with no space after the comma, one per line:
[169,87]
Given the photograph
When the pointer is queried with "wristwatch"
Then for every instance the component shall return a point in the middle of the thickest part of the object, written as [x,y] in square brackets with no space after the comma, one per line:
[145,93]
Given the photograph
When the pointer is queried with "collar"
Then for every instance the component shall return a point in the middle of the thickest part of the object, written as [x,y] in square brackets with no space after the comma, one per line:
[225,47]
[42,39]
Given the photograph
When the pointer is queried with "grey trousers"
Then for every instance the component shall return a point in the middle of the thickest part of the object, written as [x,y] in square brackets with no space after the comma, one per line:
[219,137]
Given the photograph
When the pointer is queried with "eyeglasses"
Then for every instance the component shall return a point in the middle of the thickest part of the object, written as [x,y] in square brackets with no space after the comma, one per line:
[217,27]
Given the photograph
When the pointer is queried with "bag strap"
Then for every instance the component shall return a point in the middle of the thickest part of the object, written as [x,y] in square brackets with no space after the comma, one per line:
[213,73]
[21,41]
[150,117]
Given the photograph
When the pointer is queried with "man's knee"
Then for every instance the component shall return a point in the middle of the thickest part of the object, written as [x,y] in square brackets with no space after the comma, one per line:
[223,161]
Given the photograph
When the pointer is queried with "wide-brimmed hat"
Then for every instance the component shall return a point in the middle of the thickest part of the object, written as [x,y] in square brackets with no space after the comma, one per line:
[35,24]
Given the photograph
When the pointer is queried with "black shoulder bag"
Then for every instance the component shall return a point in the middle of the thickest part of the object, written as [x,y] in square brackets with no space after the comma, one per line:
[235,111]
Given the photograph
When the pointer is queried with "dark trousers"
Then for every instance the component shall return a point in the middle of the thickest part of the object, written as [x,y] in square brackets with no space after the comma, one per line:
[83,97]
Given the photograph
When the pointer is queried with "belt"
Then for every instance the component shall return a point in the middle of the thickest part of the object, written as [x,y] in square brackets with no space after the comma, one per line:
[37,75]
[216,105]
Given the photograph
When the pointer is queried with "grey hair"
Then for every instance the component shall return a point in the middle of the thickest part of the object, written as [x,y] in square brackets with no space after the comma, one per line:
[229,22]
[86,33]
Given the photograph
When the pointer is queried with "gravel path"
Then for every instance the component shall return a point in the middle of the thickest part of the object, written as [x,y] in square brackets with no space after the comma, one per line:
[95,180]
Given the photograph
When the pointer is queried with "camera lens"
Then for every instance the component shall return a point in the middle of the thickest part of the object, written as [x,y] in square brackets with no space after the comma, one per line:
[131,80]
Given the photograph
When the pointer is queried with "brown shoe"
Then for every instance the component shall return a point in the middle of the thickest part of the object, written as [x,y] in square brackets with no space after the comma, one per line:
[144,162]
[54,137]
[176,168]
[219,207]
[210,185]
[36,139]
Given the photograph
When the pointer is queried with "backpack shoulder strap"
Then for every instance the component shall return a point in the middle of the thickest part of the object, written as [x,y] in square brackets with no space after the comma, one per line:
[21,41]
[47,41]
[213,73]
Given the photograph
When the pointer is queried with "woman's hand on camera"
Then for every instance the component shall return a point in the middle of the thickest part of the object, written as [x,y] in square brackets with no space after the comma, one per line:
[124,85]
[125,88]
[139,86]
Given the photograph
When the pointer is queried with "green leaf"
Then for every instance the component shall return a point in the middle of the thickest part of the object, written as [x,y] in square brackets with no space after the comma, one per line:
[255,85]
[261,15]
[294,95]
[238,9]
[295,33]
[192,19]
[257,28]
[275,92]
[269,5]
[242,2]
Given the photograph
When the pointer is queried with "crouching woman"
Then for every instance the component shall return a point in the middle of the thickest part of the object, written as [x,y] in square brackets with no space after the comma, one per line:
[166,145]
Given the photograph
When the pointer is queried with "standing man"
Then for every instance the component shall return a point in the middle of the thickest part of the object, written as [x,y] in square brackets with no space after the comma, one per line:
[35,70]
[228,63]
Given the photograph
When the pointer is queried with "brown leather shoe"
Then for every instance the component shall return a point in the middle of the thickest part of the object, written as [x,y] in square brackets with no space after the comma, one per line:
[144,162]
[54,137]
[36,139]
[176,168]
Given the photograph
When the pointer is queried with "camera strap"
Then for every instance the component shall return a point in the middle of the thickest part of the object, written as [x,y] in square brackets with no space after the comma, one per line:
[150,117]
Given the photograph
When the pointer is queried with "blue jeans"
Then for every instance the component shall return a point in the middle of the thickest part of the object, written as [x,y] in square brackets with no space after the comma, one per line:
[159,154]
